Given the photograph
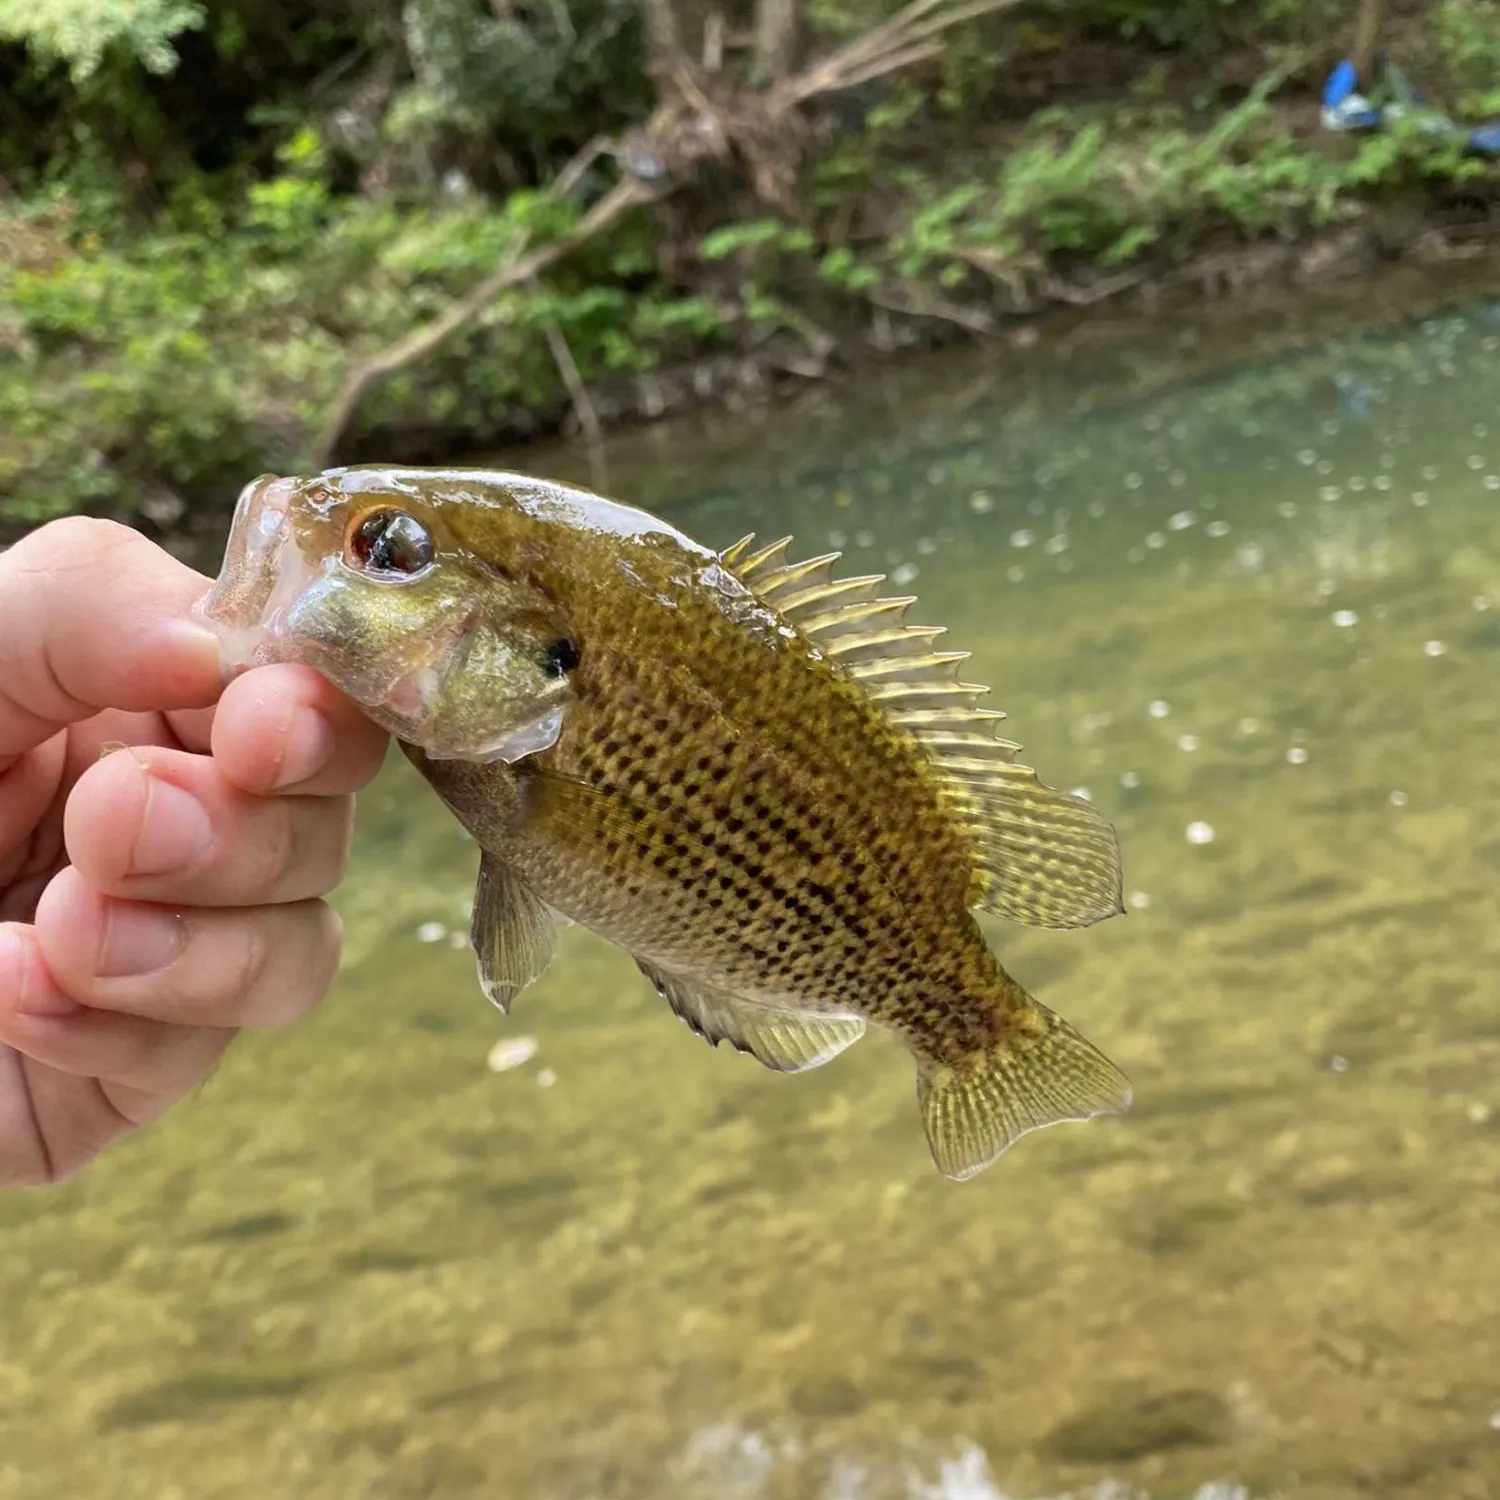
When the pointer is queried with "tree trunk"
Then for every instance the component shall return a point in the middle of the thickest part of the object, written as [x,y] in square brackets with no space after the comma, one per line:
[777,35]
[1366,35]
[663,41]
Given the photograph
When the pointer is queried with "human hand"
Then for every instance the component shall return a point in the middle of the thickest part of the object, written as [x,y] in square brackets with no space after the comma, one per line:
[155,899]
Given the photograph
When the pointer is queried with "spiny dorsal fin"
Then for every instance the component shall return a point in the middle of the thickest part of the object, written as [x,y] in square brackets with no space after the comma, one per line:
[1042,857]
[788,1041]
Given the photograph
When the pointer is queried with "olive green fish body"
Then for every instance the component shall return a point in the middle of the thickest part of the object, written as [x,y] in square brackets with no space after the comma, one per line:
[752,775]
[726,807]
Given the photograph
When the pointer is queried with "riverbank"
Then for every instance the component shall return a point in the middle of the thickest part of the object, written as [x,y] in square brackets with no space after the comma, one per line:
[325,288]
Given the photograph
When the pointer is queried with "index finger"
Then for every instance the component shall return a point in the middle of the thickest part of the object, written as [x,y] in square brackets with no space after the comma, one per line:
[93,616]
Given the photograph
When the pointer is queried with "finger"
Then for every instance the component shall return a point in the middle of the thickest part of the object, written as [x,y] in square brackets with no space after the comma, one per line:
[162,825]
[286,728]
[143,1065]
[94,616]
[264,966]
[51,1123]
[28,786]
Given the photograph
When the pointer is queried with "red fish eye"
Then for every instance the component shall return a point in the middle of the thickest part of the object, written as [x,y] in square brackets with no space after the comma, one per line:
[390,542]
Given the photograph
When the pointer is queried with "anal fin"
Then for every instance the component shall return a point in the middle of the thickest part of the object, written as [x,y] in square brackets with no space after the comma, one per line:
[786,1040]
[1042,1074]
[514,933]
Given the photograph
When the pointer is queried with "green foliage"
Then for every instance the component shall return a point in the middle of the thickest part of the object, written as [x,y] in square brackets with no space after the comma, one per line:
[536,75]
[209,213]
[1468,34]
[80,32]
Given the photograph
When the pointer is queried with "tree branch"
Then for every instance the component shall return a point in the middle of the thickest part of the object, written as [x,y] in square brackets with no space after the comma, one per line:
[520,266]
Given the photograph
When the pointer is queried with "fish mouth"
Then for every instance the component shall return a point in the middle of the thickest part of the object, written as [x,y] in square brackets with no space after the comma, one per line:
[260,580]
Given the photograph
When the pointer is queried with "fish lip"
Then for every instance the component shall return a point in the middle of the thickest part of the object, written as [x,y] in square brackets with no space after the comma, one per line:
[261,563]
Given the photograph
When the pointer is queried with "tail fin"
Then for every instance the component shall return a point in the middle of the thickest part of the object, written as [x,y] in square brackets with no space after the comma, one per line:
[1042,1073]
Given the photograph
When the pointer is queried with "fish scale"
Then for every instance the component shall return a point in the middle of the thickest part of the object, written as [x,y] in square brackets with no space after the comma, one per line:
[754,776]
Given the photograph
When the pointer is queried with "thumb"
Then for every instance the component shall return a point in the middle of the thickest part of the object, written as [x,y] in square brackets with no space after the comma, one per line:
[93,616]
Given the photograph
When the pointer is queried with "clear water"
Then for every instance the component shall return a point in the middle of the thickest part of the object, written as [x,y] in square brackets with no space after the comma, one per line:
[1258,617]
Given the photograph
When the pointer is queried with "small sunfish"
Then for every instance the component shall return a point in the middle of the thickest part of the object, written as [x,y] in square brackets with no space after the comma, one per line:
[751,774]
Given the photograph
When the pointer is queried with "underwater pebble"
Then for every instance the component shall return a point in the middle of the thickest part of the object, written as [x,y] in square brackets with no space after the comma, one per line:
[1344,618]
[1434,648]
[1187,741]
[905,573]
[1398,799]
[1296,756]
[1249,726]
[1338,1063]
[458,939]
[545,1078]
[1021,538]
[1200,833]
[1140,900]
[1419,498]
[1329,493]
[1015,574]
[1287,509]
[1181,520]
[432,932]
[511,1052]
[1130,781]
[1158,708]
[1217,528]
[980,502]
[1478,1112]
[1156,540]
[1481,601]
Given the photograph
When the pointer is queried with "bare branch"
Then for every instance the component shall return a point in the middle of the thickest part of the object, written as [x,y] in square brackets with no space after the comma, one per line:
[882,49]
[583,405]
[520,266]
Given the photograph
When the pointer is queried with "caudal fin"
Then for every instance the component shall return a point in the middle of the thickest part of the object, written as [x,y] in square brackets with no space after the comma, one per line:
[1043,1073]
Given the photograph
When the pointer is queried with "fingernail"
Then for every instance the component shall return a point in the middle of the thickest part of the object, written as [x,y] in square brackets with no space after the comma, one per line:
[138,939]
[175,831]
[35,994]
[197,647]
[309,747]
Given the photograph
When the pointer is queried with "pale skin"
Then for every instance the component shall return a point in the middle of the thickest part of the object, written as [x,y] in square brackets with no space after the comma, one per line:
[156,899]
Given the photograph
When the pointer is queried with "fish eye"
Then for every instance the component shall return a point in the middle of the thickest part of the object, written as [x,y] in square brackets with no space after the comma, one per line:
[390,542]
[559,658]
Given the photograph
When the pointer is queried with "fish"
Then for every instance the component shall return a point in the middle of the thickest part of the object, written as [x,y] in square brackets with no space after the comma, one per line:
[752,774]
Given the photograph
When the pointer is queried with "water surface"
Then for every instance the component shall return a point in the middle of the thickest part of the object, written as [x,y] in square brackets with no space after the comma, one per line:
[1257,617]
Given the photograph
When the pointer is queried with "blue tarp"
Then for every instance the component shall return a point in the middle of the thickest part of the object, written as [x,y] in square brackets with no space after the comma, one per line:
[1345,107]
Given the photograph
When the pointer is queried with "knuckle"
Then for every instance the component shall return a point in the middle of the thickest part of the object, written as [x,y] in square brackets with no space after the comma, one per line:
[70,543]
[244,961]
[272,859]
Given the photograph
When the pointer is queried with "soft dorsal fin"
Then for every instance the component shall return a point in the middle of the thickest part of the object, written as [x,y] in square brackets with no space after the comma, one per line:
[1041,856]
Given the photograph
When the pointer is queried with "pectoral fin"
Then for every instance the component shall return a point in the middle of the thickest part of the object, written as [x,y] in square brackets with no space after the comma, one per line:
[788,1041]
[513,932]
